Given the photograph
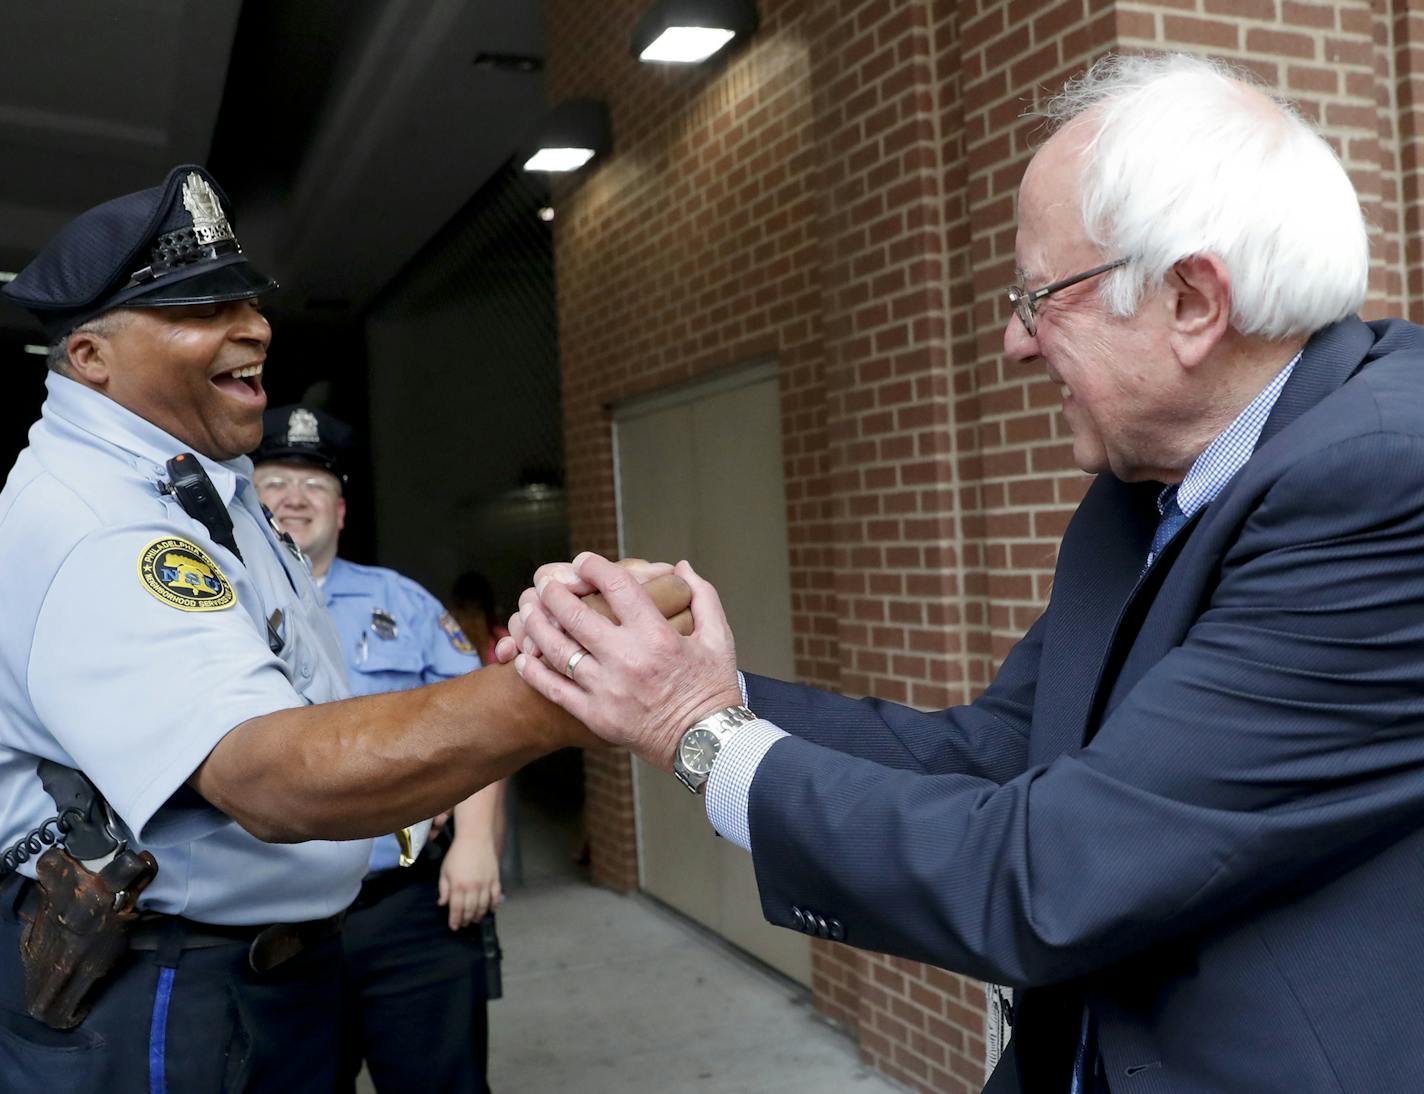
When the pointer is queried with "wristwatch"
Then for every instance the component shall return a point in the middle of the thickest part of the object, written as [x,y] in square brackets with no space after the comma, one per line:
[698,749]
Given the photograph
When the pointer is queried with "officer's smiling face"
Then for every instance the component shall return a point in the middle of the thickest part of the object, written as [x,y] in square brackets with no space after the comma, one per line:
[306,503]
[195,371]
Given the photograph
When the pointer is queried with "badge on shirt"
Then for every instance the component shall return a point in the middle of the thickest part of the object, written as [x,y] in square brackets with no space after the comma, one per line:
[181,575]
[455,634]
[384,624]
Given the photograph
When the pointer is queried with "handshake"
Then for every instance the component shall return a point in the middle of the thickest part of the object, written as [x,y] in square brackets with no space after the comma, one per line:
[636,680]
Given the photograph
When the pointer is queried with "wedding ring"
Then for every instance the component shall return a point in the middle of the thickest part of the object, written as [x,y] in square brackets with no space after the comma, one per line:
[578,656]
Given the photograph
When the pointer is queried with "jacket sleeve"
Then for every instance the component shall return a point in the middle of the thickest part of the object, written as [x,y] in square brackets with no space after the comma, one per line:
[987,738]
[1282,742]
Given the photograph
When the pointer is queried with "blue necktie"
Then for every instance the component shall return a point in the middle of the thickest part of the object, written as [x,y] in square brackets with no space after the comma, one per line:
[1085,1079]
[1171,523]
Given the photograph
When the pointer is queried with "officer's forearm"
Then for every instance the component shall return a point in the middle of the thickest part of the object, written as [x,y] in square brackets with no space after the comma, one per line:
[363,767]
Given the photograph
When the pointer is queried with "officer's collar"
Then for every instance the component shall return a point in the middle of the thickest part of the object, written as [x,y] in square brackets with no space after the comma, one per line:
[338,576]
[149,447]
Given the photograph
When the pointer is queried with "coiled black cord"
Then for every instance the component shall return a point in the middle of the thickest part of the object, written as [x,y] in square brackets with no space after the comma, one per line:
[35,841]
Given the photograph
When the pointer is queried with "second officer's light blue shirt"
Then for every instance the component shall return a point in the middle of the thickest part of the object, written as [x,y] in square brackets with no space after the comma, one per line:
[98,673]
[394,636]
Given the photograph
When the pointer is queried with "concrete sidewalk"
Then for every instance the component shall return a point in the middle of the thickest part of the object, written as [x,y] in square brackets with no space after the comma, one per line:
[609,993]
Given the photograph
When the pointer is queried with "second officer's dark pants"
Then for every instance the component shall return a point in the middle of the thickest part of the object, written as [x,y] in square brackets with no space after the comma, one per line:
[415,990]
[177,1021]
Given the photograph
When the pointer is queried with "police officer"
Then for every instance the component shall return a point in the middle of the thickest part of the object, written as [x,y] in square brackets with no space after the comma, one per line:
[160,638]
[415,1001]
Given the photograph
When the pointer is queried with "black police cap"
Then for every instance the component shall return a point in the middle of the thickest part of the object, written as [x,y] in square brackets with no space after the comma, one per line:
[166,246]
[300,434]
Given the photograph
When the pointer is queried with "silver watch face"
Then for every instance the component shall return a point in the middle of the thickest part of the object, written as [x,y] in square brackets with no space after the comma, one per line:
[698,750]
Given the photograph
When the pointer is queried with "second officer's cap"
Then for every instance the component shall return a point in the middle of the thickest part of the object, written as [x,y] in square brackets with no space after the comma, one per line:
[169,245]
[299,434]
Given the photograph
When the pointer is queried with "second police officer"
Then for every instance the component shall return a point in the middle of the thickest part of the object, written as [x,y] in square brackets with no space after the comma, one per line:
[414,1005]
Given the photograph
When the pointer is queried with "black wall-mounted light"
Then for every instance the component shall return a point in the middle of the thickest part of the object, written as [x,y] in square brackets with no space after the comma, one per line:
[691,30]
[568,136]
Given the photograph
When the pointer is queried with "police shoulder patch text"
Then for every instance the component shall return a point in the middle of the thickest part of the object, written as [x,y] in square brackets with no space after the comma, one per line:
[454,633]
[179,573]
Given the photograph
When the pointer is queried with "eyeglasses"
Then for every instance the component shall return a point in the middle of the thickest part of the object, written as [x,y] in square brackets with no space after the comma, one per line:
[313,486]
[1025,304]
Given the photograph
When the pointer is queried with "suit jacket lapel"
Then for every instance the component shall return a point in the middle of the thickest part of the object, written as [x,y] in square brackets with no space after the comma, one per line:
[1145,635]
[1099,564]
[1099,603]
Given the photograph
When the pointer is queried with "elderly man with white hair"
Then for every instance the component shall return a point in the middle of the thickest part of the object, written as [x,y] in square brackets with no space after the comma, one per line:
[1187,817]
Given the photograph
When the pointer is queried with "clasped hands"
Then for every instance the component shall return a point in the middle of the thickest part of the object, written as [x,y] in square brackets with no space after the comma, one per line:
[640,683]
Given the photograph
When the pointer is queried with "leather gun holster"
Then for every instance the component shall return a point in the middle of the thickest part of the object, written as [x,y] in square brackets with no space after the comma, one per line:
[78,931]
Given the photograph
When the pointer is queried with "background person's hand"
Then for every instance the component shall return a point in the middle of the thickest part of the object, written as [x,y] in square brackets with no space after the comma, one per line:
[469,879]
[641,683]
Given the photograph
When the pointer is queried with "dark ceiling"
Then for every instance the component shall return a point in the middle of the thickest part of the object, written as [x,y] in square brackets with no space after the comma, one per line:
[346,132]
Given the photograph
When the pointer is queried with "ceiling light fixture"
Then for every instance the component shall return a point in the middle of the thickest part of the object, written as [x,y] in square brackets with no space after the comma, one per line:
[688,31]
[568,136]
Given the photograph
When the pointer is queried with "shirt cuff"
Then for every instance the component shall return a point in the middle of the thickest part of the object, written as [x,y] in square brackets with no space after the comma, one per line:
[730,783]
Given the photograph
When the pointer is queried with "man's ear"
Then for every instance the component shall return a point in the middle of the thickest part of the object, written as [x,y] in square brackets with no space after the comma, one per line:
[1201,313]
[89,356]
[340,514]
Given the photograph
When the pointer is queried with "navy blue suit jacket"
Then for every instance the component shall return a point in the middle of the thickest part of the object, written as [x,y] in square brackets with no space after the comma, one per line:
[1193,797]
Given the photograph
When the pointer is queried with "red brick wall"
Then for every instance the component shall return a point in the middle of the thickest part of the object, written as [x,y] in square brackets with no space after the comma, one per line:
[694,248]
[839,192]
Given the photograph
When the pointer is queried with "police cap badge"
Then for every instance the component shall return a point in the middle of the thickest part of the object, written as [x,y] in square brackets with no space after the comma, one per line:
[299,434]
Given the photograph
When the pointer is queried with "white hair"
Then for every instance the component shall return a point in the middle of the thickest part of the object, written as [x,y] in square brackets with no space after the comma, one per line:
[1189,157]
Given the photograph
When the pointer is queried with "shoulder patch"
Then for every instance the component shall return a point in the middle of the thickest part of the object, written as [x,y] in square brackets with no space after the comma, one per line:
[455,634]
[180,574]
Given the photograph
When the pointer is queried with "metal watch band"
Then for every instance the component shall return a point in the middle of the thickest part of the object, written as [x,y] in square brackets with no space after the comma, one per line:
[722,724]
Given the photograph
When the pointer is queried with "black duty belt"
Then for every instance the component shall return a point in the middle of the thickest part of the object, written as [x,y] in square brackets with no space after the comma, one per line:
[268,944]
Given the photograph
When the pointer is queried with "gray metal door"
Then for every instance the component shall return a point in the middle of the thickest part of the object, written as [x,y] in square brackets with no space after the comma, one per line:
[699,473]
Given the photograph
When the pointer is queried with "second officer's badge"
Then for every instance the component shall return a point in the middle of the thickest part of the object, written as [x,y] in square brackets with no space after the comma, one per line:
[384,624]
[181,574]
[303,428]
[454,633]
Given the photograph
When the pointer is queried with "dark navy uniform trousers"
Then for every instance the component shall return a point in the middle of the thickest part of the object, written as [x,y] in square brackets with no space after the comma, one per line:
[415,995]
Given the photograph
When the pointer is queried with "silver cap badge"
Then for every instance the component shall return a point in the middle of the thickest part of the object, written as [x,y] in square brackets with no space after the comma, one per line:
[302,428]
[201,200]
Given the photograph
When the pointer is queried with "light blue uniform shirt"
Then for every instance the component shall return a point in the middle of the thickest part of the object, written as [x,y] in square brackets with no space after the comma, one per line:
[99,673]
[394,636]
